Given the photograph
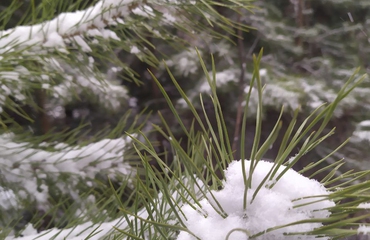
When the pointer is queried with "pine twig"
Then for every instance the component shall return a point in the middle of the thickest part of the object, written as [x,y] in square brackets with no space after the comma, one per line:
[243,65]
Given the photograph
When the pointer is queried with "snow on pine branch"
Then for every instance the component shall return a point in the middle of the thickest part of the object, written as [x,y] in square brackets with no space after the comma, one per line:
[108,91]
[27,53]
[85,230]
[291,199]
[67,26]
[28,168]
[289,91]
[362,132]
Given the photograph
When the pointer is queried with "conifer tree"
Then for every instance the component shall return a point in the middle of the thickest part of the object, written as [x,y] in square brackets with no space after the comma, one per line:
[115,120]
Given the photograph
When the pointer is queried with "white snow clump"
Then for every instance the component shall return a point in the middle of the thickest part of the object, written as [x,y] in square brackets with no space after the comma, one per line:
[271,207]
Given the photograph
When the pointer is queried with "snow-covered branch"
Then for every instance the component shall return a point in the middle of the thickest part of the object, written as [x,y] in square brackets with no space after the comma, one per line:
[67,25]
[33,165]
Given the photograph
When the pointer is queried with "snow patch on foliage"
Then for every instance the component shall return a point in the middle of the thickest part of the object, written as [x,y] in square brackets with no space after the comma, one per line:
[362,132]
[274,96]
[29,167]
[87,230]
[364,205]
[283,203]
[144,11]
[271,207]
[362,229]
[77,81]
[53,32]
[222,79]
[8,199]
[186,62]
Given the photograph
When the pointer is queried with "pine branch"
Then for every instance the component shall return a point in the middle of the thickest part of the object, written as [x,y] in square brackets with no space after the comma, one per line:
[55,32]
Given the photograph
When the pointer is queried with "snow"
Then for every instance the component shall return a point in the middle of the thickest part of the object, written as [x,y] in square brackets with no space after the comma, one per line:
[54,40]
[359,136]
[222,78]
[109,92]
[186,62]
[365,123]
[263,72]
[52,33]
[72,27]
[135,50]
[364,205]
[82,44]
[292,198]
[169,18]
[362,132]
[7,199]
[87,230]
[363,230]
[274,95]
[11,84]
[272,206]
[350,16]
[77,233]
[144,11]
[105,33]
[27,167]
